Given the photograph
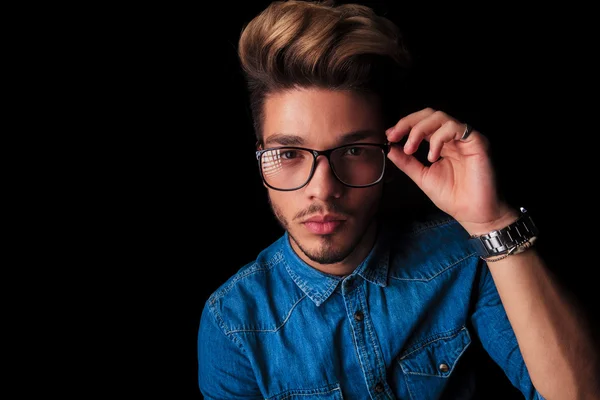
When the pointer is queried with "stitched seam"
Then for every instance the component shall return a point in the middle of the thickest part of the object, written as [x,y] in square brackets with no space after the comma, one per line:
[312,392]
[422,374]
[271,330]
[221,324]
[254,268]
[371,335]
[332,286]
[407,384]
[312,294]
[428,342]
[439,335]
[220,321]
[356,345]
[364,350]
[303,285]
[437,274]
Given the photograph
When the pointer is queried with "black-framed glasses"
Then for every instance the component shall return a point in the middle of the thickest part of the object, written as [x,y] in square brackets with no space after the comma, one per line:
[356,165]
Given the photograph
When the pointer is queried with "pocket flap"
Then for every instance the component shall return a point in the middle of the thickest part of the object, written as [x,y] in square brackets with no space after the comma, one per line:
[438,356]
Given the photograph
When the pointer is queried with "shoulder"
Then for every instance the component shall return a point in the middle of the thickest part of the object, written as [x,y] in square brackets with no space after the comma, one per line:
[428,246]
[257,296]
[251,272]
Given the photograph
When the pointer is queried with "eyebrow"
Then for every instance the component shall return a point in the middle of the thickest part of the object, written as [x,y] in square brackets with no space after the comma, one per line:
[295,140]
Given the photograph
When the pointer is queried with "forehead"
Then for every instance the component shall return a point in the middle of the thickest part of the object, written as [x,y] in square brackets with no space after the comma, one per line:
[320,117]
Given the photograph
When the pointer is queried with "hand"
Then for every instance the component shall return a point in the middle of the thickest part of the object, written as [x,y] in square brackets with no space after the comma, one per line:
[461,182]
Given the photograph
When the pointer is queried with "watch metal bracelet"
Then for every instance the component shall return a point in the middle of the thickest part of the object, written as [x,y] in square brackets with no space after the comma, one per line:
[505,240]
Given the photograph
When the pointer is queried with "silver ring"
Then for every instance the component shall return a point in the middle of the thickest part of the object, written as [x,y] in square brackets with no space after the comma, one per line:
[467,132]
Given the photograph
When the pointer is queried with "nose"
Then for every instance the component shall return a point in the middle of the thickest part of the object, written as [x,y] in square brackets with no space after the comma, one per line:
[324,185]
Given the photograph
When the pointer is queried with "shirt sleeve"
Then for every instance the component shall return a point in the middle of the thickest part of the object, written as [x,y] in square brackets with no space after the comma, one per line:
[498,338]
[224,370]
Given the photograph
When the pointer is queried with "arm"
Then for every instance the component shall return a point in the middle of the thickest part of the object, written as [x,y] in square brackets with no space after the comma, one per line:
[553,336]
[554,339]
[497,337]
[224,371]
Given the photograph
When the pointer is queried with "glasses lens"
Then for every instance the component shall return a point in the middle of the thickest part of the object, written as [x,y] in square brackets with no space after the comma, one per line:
[286,168]
[358,164]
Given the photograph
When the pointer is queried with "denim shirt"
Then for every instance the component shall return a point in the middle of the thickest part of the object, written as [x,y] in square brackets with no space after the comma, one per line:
[396,328]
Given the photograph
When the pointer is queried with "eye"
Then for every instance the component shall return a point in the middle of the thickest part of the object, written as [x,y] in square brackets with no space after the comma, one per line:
[354,151]
[289,154]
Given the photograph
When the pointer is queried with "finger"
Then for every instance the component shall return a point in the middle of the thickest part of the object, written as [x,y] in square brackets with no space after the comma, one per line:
[404,126]
[450,131]
[424,129]
[407,163]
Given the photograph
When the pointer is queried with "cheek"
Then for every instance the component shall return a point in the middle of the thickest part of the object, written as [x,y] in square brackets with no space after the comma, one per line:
[283,202]
[363,200]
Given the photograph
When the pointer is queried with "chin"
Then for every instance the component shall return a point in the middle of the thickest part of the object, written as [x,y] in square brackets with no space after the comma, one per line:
[327,249]
[327,253]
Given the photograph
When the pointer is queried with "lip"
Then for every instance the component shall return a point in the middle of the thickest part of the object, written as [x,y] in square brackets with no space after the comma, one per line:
[323,224]
[324,218]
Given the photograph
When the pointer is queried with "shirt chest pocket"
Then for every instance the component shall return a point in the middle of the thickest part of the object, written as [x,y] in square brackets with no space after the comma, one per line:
[427,368]
[331,392]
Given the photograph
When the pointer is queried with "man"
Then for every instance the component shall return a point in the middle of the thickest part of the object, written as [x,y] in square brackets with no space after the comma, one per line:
[348,303]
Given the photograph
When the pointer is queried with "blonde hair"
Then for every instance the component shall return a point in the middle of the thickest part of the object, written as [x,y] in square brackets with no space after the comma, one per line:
[318,44]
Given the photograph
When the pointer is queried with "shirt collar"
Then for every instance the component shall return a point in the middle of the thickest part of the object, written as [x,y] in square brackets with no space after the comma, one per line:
[318,286]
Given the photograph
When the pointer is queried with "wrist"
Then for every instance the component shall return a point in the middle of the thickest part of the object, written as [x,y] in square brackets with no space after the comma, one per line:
[505,218]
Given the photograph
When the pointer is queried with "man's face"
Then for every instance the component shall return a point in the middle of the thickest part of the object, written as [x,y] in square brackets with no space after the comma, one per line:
[325,219]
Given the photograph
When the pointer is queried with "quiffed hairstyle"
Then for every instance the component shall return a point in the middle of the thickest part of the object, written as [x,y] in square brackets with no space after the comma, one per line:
[320,44]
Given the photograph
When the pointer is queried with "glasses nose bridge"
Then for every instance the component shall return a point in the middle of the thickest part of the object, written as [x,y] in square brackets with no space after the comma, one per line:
[326,153]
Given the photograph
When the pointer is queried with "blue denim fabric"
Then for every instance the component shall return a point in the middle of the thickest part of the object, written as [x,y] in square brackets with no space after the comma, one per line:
[397,327]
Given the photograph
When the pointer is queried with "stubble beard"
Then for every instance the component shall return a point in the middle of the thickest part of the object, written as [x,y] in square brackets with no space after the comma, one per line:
[325,253]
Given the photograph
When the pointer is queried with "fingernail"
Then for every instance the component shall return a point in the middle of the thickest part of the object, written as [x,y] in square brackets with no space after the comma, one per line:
[389,130]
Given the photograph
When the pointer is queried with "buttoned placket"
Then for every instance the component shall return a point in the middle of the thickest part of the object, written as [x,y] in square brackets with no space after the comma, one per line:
[365,341]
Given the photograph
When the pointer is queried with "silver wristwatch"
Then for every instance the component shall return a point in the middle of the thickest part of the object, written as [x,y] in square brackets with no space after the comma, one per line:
[508,240]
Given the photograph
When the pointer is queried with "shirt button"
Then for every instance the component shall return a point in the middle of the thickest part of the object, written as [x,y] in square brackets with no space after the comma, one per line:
[359,316]
[379,387]
[444,367]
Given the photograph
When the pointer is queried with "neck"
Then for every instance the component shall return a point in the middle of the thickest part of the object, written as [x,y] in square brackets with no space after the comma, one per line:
[351,262]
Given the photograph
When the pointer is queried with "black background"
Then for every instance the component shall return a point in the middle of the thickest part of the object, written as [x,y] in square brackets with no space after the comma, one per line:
[176,205]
